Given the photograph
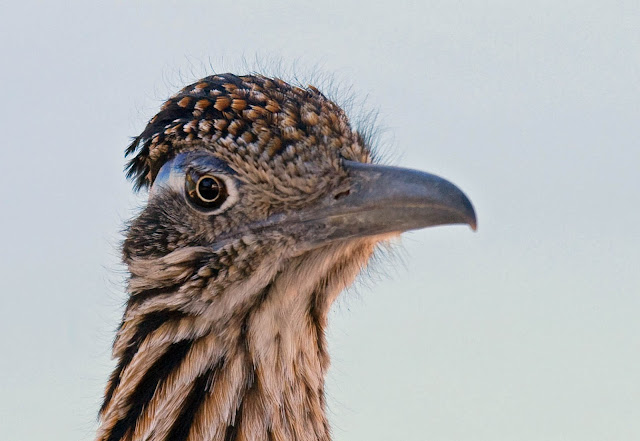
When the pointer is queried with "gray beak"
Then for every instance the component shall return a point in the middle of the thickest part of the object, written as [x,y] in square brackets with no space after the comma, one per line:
[385,199]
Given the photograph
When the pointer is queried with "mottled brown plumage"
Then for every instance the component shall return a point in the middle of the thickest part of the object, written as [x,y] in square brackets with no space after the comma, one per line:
[223,334]
[255,123]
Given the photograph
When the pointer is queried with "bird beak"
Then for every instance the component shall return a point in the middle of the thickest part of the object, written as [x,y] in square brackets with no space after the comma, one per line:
[383,199]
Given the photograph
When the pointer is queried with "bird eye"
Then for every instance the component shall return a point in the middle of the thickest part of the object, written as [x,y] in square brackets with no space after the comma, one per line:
[206,191]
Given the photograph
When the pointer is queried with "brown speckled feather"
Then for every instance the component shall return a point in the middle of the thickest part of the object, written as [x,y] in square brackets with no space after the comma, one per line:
[239,117]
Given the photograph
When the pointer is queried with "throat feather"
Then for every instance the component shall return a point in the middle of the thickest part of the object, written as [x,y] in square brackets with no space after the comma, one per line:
[257,375]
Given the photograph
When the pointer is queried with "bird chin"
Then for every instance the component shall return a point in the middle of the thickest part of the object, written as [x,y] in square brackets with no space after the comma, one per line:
[372,239]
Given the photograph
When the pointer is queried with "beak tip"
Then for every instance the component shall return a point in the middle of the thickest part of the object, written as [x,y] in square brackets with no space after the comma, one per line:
[473,220]
[468,212]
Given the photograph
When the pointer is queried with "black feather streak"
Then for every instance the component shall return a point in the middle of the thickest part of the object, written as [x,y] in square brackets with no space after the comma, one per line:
[157,374]
[150,323]
[201,385]
[232,431]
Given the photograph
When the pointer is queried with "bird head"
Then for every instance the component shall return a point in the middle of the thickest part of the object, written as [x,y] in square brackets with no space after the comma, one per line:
[248,170]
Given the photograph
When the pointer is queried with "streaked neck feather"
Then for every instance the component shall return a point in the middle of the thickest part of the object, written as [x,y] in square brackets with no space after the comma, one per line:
[244,364]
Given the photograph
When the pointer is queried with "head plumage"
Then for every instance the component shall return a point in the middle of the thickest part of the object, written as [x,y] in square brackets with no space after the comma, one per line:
[265,118]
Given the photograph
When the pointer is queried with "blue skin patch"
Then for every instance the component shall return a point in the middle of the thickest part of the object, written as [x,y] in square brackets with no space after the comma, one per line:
[172,176]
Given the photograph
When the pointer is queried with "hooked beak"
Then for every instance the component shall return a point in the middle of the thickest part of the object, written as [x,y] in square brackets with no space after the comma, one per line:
[385,199]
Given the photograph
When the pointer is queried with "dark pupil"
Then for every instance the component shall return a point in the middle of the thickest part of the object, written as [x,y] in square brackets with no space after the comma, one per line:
[208,189]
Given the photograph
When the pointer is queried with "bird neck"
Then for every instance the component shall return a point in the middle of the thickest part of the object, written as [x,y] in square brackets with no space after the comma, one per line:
[247,363]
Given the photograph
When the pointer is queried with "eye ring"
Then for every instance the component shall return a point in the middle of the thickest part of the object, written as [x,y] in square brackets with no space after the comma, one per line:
[208,188]
[206,191]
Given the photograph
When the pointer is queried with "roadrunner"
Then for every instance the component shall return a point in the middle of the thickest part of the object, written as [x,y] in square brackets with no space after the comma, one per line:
[264,204]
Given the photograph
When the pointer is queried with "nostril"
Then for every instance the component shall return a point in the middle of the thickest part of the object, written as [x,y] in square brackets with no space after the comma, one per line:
[342,194]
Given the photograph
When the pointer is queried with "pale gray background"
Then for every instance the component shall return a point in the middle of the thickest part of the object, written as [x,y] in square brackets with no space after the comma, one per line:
[527,330]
